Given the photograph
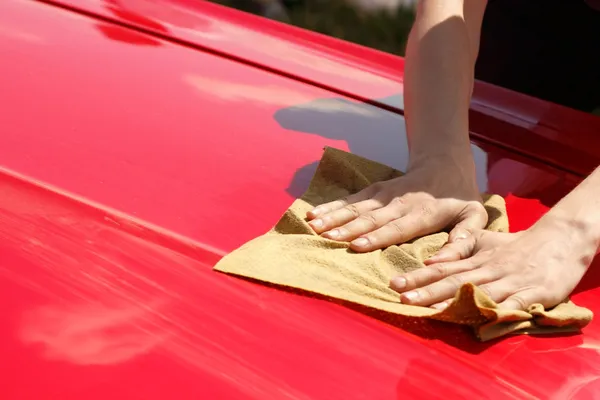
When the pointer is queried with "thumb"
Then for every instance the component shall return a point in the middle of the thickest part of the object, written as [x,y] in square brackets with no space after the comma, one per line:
[473,217]
[454,251]
[463,237]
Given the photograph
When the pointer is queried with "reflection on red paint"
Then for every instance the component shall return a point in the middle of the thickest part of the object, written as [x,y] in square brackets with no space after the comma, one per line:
[99,306]
[89,334]
[118,9]
[126,36]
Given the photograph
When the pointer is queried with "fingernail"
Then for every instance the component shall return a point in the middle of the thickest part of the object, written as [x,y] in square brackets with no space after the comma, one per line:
[440,306]
[460,236]
[317,223]
[411,296]
[432,258]
[399,283]
[437,256]
[332,234]
[315,211]
[361,242]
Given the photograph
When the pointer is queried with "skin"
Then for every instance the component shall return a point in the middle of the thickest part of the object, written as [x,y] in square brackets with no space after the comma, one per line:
[540,265]
[438,83]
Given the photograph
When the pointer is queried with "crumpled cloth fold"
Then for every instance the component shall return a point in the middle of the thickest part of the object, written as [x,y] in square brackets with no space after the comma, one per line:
[292,255]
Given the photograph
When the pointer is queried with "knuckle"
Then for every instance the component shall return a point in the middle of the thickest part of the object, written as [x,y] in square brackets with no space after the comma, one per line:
[441,270]
[428,292]
[463,252]
[497,265]
[486,289]
[425,210]
[475,206]
[411,281]
[520,301]
[369,219]
[353,210]
[455,281]
[344,201]
[398,201]
[397,227]
[462,233]
[548,300]
[462,248]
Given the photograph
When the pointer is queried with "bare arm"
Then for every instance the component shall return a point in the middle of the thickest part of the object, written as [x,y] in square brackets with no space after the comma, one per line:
[439,73]
[439,190]
[578,213]
[542,264]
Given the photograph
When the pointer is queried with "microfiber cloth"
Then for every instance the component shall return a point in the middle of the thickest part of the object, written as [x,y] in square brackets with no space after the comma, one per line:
[292,255]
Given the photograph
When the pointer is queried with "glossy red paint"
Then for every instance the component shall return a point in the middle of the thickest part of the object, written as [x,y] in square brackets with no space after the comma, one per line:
[541,130]
[131,162]
[321,60]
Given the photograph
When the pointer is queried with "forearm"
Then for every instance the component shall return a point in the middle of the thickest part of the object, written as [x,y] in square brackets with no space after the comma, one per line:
[578,213]
[439,75]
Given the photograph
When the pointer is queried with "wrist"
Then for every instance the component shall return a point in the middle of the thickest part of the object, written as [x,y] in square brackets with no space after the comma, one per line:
[579,236]
[452,174]
[423,147]
[579,211]
[457,159]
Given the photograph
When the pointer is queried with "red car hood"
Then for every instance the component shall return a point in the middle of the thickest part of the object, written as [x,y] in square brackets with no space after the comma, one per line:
[138,146]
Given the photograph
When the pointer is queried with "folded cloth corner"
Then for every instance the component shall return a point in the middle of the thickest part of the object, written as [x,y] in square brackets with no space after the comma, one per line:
[292,255]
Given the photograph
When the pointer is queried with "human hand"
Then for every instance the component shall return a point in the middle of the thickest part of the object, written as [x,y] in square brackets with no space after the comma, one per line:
[540,265]
[426,200]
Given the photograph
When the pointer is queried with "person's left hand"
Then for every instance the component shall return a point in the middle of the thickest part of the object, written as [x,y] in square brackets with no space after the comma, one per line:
[540,265]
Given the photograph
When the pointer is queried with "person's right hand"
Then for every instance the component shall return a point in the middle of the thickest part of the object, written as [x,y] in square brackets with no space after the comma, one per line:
[428,199]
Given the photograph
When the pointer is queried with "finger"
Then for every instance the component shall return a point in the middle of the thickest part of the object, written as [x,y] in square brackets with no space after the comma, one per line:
[522,300]
[366,222]
[472,218]
[462,239]
[443,305]
[454,251]
[446,288]
[417,222]
[341,216]
[498,290]
[323,209]
[431,274]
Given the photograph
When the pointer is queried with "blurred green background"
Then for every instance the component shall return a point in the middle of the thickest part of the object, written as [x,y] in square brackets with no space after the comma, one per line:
[383,30]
